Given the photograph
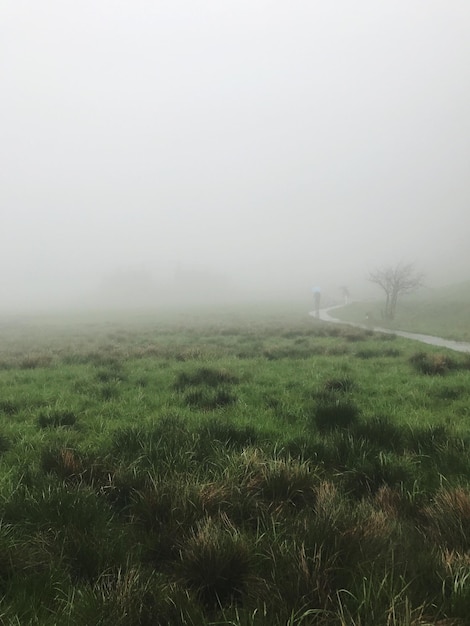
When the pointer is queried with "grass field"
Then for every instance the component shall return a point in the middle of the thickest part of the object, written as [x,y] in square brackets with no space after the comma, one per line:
[442,312]
[238,469]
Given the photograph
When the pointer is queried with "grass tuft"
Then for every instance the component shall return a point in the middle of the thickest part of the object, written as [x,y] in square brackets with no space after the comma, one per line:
[229,434]
[382,432]
[216,561]
[208,376]
[334,411]
[207,400]
[448,518]
[57,419]
[282,482]
[432,364]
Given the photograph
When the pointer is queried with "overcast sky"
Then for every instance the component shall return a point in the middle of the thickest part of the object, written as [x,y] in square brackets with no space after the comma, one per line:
[280,144]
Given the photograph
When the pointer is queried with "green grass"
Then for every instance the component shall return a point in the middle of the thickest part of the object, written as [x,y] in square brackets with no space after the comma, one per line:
[234,469]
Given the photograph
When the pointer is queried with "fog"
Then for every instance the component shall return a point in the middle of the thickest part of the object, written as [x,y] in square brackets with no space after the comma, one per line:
[160,150]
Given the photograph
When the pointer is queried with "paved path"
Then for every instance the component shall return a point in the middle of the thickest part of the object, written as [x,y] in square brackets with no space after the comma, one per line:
[458,346]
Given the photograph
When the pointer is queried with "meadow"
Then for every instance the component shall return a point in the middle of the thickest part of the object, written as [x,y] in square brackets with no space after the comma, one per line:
[246,468]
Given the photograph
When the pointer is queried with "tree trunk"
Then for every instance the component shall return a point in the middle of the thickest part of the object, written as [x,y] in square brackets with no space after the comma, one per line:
[387,307]
[393,304]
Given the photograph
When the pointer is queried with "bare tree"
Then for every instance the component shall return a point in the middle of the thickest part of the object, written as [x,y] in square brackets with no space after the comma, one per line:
[396,281]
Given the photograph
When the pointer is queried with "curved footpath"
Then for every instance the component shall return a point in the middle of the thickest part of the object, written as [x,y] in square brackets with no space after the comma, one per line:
[458,346]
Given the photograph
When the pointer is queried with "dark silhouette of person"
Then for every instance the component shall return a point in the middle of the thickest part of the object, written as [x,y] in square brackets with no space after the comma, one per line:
[316,302]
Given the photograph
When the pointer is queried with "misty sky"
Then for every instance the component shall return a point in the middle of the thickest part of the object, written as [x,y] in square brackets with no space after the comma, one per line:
[280,144]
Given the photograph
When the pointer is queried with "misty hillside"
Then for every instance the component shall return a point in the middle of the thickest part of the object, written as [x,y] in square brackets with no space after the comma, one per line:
[458,292]
[442,311]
